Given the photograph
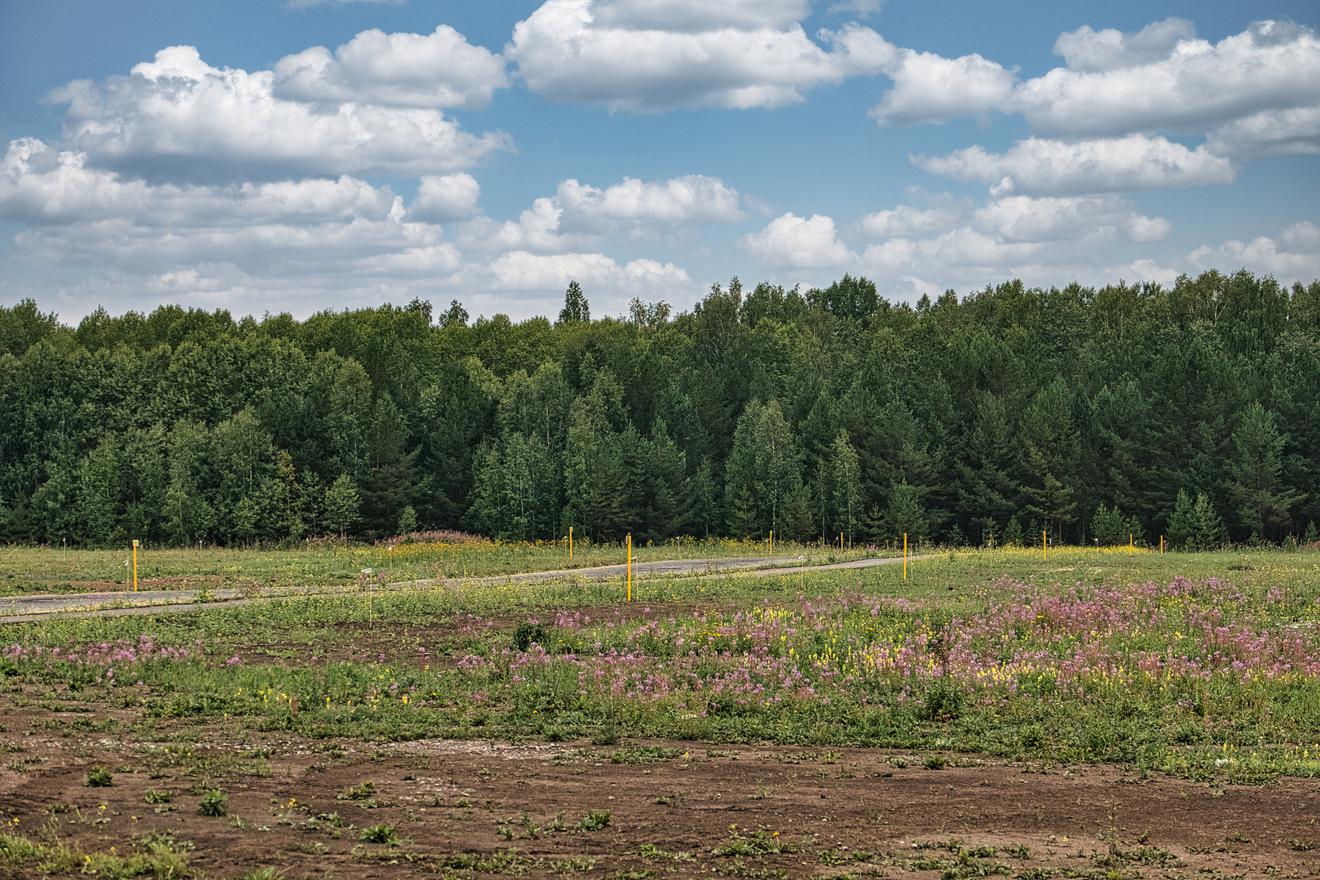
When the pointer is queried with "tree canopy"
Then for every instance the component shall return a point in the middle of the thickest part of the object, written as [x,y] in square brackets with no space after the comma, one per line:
[1191,410]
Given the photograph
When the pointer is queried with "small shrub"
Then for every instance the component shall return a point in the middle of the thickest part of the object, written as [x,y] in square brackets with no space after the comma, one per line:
[527,633]
[596,820]
[360,792]
[158,796]
[213,803]
[386,834]
[100,777]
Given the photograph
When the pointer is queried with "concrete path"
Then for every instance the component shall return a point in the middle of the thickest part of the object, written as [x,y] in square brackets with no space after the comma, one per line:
[47,606]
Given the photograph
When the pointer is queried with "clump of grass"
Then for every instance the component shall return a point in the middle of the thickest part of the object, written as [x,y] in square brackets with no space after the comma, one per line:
[384,834]
[214,802]
[363,791]
[756,843]
[934,762]
[596,820]
[100,777]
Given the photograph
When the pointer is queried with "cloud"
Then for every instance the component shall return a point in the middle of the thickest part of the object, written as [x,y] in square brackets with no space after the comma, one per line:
[1165,80]
[579,214]
[177,117]
[906,220]
[41,185]
[1049,167]
[694,16]
[1293,132]
[444,198]
[520,270]
[798,242]
[864,8]
[694,198]
[1293,256]
[647,57]
[931,88]
[1090,50]
[1021,218]
[436,70]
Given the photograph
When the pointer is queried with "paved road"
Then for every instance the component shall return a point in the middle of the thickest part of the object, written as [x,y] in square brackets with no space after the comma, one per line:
[21,609]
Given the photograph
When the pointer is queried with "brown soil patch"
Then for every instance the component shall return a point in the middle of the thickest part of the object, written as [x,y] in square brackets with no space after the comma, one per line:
[474,808]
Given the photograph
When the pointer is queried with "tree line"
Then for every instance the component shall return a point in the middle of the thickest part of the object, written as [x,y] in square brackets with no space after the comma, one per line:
[1191,411]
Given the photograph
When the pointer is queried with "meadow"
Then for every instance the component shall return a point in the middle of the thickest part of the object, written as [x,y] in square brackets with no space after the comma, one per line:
[1176,669]
[333,563]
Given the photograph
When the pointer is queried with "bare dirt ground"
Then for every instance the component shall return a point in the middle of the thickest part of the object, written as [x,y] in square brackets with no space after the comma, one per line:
[675,809]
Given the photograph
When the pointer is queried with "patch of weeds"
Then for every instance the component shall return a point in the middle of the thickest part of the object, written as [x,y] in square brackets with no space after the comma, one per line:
[651,851]
[1018,851]
[934,762]
[502,861]
[606,735]
[213,803]
[756,843]
[263,874]
[1298,845]
[643,754]
[158,796]
[363,791]
[527,633]
[596,820]
[100,777]
[1154,856]
[739,868]
[385,834]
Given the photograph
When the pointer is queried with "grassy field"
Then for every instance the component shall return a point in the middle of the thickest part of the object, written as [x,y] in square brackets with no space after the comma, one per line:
[1203,667]
[55,570]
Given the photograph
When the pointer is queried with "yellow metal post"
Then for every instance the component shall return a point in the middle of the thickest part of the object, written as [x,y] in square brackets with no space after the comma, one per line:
[1044,545]
[630,560]
[570,543]
[1129,543]
[772,542]
[905,556]
[1161,543]
[135,549]
[840,540]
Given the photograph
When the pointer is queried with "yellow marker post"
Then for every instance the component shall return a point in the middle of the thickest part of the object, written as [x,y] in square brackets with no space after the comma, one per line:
[1161,543]
[630,561]
[772,542]
[840,540]
[1129,543]
[905,556]
[1044,545]
[570,543]
[135,549]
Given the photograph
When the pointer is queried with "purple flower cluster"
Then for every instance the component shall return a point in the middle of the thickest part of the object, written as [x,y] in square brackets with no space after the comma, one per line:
[104,653]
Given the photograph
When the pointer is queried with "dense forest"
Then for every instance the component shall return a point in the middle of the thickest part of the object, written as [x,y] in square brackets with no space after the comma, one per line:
[1191,411]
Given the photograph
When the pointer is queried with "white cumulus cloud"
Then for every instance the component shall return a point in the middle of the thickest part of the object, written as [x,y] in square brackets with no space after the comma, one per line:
[178,117]
[932,88]
[446,197]
[799,242]
[1044,166]
[647,56]
[1090,50]
[1190,85]
[438,70]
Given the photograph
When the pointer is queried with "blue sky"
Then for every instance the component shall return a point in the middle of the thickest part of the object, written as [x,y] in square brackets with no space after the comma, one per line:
[270,156]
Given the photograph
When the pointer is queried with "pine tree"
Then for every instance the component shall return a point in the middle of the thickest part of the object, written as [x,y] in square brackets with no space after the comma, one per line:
[1256,485]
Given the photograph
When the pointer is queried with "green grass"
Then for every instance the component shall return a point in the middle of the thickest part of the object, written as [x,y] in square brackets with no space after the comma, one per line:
[53,570]
[1233,729]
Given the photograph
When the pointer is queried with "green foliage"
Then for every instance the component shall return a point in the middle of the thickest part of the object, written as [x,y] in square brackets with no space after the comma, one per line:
[214,802]
[807,412]
[1194,525]
[1111,528]
[100,777]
